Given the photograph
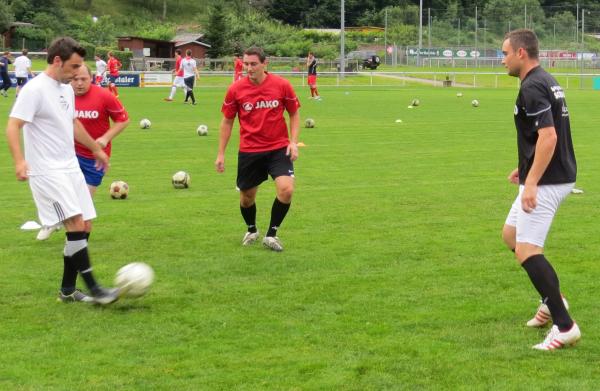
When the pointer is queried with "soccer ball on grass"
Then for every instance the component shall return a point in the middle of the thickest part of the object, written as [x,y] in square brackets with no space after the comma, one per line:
[145,123]
[475,103]
[134,279]
[119,190]
[415,102]
[309,123]
[202,130]
[181,180]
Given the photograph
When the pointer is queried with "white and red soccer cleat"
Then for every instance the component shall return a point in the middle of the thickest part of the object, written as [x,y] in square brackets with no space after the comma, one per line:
[542,316]
[558,340]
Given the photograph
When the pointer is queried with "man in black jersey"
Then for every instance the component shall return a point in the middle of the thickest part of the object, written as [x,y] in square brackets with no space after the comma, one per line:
[545,175]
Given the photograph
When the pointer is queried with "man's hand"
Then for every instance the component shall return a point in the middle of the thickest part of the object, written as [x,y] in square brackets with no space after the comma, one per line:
[21,170]
[529,198]
[220,163]
[292,151]
[102,142]
[102,160]
[513,177]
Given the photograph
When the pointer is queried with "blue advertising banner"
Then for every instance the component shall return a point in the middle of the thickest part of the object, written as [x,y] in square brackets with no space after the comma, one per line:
[124,80]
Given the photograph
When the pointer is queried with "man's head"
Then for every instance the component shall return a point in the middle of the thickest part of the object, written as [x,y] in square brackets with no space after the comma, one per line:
[6,54]
[109,54]
[310,55]
[188,53]
[97,57]
[65,57]
[521,51]
[24,52]
[82,80]
[177,52]
[255,62]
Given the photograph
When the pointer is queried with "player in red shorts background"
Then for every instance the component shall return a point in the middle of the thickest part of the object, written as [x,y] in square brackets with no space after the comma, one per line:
[238,68]
[311,64]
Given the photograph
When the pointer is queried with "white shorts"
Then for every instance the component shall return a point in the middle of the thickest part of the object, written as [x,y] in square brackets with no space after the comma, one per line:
[533,227]
[59,196]
[178,82]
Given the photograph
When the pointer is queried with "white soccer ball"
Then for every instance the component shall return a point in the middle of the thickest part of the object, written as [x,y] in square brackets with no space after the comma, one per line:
[475,103]
[202,130]
[459,94]
[134,279]
[119,190]
[309,123]
[145,123]
[415,102]
[181,180]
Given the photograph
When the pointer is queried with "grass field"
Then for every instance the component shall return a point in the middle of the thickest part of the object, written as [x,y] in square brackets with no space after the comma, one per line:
[393,277]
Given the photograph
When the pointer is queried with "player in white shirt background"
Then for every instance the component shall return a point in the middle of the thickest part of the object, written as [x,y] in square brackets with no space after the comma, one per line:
[23,72]
[100,70]
[190,75]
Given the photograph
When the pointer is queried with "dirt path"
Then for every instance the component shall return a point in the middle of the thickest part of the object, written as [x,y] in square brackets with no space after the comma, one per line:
[436,83]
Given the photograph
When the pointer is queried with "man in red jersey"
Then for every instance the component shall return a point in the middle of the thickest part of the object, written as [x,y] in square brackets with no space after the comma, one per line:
[94,108]
[238,68]
[178,72]
[113,72]
[259,101]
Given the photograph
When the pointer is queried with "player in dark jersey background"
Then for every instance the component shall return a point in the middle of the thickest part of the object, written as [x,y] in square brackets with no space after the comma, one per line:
[259,101]
[311,64]
[546,175]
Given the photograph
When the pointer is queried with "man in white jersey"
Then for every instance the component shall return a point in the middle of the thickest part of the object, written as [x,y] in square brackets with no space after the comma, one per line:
[100,70]
[45,111]
[22,66]
[190,75]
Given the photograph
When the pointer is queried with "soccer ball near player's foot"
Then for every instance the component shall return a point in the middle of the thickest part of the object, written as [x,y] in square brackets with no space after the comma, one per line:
[475,103]
[181,180]
[202,130]
[119,190]
[415,102]
[134,279]
[145,123]
[309,123]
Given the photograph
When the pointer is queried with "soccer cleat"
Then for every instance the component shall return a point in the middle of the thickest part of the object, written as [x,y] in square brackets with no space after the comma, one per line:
[45,232]
[106,296]
[77,295]
[168,100]
[318,98]
[250,238]
[555,339]
[543,316]
[273,243]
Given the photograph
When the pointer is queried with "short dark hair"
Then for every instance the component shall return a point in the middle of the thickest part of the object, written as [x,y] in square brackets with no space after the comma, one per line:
[526,39]
[256,51]
[24,52]
[64,47]
[188,52]
[178,51]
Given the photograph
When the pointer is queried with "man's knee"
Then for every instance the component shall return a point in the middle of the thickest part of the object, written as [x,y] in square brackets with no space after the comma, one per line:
[74,224]
[524,251]
[247,197]
[285,192]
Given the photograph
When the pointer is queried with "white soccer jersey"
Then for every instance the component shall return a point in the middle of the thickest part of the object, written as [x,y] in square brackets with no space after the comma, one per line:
[22,65]
[189,67]
[100,67]
[48,108]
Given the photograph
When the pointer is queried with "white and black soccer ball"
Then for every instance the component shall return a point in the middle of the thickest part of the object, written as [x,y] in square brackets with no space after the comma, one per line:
[202,130]
[309,123]
[119,190]
[181,180]
[415,102]
[475,103]
[134,279]
[145,123]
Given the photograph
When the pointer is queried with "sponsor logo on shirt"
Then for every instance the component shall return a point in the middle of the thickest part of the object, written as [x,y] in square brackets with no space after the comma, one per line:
[63,103]
[261,104]
[87,114]
[558,92]
[565,111]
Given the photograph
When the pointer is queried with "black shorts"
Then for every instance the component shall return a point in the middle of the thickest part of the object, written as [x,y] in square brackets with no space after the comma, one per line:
[189,82]
[255,167]
[21,81]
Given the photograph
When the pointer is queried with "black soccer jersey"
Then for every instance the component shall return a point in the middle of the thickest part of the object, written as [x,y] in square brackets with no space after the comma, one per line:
[541,104]
[312,67]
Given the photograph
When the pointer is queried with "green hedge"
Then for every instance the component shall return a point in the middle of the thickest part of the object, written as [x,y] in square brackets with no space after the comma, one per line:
[123,57]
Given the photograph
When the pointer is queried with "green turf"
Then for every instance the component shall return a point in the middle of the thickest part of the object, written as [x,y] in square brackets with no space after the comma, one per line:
[394,275]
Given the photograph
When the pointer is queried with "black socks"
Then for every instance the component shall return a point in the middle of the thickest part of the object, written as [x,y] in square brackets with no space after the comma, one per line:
[76,259]
[545,280]
[249,215]
[278,212]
